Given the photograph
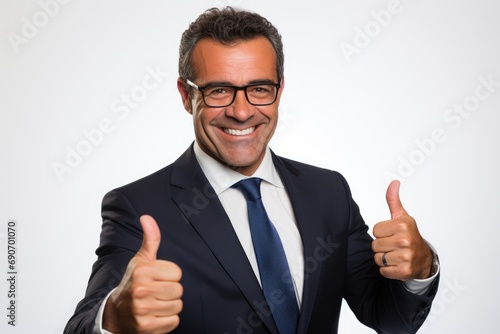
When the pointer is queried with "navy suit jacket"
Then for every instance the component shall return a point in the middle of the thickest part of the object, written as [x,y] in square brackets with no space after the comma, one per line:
[221,292]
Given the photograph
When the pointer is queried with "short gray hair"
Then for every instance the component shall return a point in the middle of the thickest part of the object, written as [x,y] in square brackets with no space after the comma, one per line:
[227,25]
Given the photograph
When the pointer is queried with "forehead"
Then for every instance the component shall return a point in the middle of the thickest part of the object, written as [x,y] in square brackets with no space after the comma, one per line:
[237,63]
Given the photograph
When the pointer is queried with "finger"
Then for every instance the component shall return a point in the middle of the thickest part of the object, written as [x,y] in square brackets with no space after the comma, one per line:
[170,292]
[157,308]
[148,274]
[392,197]
[383,245]
[392,259]
[151,239]
[400,272]
[387,266]
[391,272]
[383,229]
[150,324]
[379,259]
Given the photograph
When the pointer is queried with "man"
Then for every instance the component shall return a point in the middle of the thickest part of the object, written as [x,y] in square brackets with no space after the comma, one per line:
[178,250]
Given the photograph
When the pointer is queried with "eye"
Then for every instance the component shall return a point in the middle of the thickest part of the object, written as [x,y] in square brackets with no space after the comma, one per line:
[217,91]
[261,89]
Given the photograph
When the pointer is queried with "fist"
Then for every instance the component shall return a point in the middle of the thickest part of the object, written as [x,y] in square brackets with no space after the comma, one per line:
[148,299]
[400,250]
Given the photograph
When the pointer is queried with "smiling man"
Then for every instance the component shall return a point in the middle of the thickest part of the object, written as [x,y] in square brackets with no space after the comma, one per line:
[222,240]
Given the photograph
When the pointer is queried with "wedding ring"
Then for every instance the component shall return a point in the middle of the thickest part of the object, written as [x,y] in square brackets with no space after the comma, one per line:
[384,260]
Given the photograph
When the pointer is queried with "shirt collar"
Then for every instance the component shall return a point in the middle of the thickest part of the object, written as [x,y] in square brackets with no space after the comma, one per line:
[222,177]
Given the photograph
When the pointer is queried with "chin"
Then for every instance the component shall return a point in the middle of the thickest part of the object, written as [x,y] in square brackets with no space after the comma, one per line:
[246,158]
[240,163]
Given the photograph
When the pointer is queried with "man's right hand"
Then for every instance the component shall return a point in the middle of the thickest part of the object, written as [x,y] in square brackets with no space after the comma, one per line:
[148,299]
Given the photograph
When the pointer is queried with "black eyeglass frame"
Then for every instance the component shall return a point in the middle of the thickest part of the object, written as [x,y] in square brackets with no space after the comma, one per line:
[236,89]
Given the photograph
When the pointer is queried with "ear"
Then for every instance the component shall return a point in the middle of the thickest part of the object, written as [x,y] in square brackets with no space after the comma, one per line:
[186,101]
[282,86]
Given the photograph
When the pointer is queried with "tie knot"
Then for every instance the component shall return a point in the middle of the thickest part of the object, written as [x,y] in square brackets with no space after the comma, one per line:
[249,187]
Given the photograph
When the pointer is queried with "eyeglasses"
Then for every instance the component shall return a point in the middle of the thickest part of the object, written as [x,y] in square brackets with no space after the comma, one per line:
[217,96]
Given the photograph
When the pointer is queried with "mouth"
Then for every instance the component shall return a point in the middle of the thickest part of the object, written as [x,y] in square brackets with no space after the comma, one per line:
[235,132]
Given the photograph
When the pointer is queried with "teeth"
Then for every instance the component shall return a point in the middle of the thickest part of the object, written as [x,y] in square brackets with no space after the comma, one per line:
[235,132]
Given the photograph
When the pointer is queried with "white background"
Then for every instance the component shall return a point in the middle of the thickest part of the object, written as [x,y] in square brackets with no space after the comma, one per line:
[363,114]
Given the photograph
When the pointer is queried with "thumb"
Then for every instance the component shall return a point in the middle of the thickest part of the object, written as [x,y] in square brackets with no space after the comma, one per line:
[151,239]
[392,197]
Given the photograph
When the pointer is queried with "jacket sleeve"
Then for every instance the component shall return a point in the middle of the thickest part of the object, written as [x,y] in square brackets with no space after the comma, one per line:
[120,238]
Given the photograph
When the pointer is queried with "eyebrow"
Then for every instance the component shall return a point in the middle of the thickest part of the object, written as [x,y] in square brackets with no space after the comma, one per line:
[227,83]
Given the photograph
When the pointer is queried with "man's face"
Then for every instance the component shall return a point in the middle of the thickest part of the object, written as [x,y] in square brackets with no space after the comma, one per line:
[236,135]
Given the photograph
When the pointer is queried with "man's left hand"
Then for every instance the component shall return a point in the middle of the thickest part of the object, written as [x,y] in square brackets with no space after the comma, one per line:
[400,250]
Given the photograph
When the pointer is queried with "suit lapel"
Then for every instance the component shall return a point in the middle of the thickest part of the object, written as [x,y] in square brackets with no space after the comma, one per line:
[302,196]
[197,200]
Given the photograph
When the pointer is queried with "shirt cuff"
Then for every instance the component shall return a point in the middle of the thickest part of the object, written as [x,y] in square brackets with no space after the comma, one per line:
[98,320]
[420,286]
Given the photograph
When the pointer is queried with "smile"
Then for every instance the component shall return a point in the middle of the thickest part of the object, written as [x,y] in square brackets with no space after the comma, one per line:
[235,132]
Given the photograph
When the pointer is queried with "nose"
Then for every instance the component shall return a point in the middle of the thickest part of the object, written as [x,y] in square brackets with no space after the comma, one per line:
[240,109]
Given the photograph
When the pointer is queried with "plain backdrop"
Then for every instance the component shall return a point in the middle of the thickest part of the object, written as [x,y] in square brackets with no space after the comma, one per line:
[374,89]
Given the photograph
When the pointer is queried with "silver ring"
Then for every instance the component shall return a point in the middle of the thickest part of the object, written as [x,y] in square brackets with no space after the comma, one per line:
[384,260]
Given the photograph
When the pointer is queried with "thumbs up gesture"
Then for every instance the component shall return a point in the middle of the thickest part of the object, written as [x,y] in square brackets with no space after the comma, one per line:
[148,299]
[400,250]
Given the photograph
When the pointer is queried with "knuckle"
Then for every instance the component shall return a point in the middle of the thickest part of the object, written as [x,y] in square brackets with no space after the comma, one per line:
[174,307]
[140,270]
[172,323]
[175,271]
[179,289]
[401,226]
[403,242]
[406,257]
[144,324]
[138,290]
[180,305]
[140,309]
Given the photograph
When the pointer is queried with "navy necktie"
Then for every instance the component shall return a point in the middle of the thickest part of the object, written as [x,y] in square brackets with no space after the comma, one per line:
[275,274]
